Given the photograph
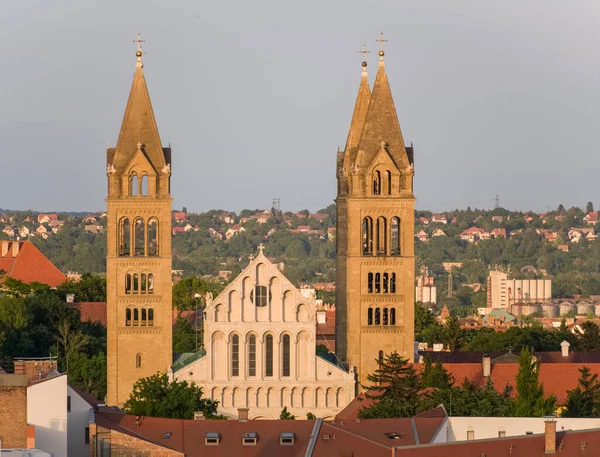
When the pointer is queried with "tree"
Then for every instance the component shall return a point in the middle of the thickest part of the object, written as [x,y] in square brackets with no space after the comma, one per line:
[190,292]
[589,338]
[452,332]
[155,396]
[89,374]
[530,401]
[584,400]
[286,415]
[311,417]
[394,387]
[435,376]
[589,208]
[184,336]
[89,288]
[423,319]
[71,341]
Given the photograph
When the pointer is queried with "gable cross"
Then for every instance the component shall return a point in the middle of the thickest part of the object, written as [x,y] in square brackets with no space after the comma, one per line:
[251,257]
[261,247]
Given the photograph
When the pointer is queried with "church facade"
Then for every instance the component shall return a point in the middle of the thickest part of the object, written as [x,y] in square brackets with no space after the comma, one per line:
[260,341]
[375,233]
[138,261]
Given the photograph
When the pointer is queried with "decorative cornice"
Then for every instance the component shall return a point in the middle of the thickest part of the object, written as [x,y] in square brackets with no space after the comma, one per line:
[382,298]
[382,329]
[137,330]
[139,299]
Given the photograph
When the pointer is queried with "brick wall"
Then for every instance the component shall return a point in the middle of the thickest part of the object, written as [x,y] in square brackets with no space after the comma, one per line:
[127,446]
[13,410]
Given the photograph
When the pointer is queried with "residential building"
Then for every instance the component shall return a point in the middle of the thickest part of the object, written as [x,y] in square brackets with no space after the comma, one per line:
[422,236]
[425,291]
[13,410]
[23,261]
[438,219]
[375,230]
[44,218]
[474,234]
[503,292]
[260,340]
[438,232]
[138,260]
[591,218]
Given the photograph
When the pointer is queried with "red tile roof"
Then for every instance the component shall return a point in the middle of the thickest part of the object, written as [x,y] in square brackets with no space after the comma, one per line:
[23,261]
[91,311]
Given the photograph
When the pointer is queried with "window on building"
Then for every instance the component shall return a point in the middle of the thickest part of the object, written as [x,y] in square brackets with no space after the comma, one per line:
[138,361]
[144,185]
[136,283]
[470,433]
[136,316]
[377,283]
[385,283]
[393,283]
[377,316]
[252,355]
[150,283]
[128,317]
[388,175]
[392,316]
[501,433]
[395,235]
[370,283]
[370,316]
[376,183]
[260,296]
[143,284]
[152,236]
[235,355]
[140,237]
[133,185]
[269,355]
[150,317]
[125,237]
[68,403]
[367,236]
[87,435]
[286,355]
[385,316]
[144,317]
[128,283]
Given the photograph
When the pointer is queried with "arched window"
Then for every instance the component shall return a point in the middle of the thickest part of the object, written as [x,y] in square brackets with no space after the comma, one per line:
[152,236]
[377,283]
[385,283]
[144,320]
[395,235]
[128,317]
[388,175]
[144,185]
[150,283]
[136,317]
[128,283]
[252,355]
[367,236]
[269,355]
[370,283]
[138,361]
[377,316]
[376,183]
[143,284]
[150,317]
[286,355]
[140,237]
[385,316]
[380,358]
[381,236]
[125,237]
[370,316]
[133,185]
[235,355]
[260,296]
[136,283]
[393,283]
[392,316]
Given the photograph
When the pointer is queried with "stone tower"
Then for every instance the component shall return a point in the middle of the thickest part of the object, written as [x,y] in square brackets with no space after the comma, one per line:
[138,259]
[375,233]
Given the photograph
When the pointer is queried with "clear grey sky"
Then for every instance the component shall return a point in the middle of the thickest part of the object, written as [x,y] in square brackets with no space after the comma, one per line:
[498,96]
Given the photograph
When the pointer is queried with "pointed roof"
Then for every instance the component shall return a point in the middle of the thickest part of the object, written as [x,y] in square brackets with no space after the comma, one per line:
[139,126]
[381,124]
[360,111]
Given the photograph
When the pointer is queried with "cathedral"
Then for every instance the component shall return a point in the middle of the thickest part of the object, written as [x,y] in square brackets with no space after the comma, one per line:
[260,332]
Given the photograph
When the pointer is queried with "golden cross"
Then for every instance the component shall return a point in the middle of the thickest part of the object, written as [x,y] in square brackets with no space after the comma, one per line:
[364,52]
[139,42]
[381,41]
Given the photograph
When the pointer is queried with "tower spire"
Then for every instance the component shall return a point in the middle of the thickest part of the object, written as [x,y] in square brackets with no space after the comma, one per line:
[361,106]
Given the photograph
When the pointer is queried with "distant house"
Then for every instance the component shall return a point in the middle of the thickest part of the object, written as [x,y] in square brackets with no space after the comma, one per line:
[497,232]
[319,217]
[262,216]
[498,219]
[563,247]
[93,228]
[8,230]
[422,236]
[424,220]
[228,218]
[474,234]
[576,233]
[270,232]
[41,230]
[178,230]
[331,232]
[44,218]
[89,219]
[234,230]
[180,216]
[439,219]
[591,218]
[528,219]
[215,235]
[438,232]
[547,234]
[23,261]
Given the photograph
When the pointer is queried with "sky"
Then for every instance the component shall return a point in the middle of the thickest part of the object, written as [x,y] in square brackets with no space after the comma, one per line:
[499,97]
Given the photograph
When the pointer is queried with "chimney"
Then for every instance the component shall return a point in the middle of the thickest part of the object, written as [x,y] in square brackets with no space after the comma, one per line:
[549,437]
[242,414]
[70,298]
[564,348]
[198,416]
[5,245]
[15,248]
[487,366]
[321,316]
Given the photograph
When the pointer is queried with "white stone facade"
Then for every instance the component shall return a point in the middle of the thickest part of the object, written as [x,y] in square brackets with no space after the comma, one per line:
[260,351]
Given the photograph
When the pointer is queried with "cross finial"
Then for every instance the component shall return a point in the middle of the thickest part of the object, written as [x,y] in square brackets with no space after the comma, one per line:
[251,257]
[364,52]
[139,52]
[139,145]
[261,247]
[381,41]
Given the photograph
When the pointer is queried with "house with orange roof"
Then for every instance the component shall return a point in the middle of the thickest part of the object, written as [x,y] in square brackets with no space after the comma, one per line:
[45,218]
[591,218]
[23,261]
[422,236]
